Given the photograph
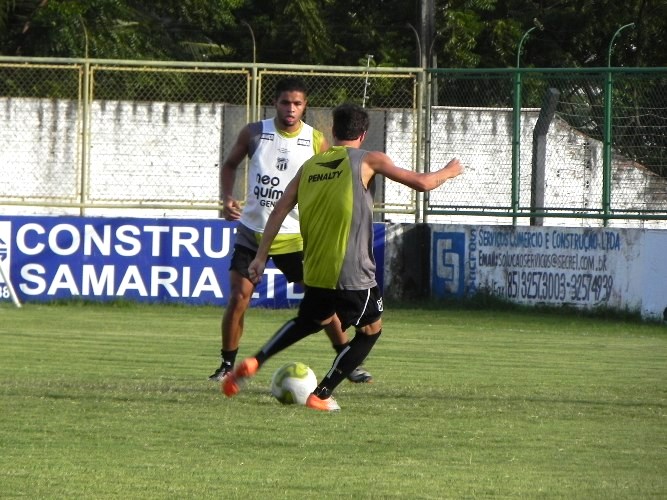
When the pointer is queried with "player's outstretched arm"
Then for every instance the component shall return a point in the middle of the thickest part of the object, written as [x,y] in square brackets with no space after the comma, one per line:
[380,163]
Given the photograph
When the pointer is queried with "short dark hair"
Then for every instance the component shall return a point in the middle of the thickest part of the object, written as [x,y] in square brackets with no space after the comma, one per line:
[291,84]
[349,121]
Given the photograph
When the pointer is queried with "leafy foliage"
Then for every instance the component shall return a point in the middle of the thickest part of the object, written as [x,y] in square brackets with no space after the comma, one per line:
[113,29]
[468,33]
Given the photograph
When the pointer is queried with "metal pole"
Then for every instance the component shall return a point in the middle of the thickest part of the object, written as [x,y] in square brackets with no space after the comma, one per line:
[420,204]
[611,42]
[368,65]
[423,140]
[85,38]
[419,44]
[254,113]
[86,99]
[85,136]
[254,44]
[606,134]
[516,131]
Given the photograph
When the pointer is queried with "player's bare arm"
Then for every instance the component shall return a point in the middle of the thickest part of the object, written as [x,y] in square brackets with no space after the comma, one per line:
[231,208]
[283,207]
[376,162]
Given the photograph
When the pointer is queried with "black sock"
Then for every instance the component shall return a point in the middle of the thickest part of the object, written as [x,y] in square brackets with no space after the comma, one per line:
[346,361]
[339,348]
[290,333]
[229,357]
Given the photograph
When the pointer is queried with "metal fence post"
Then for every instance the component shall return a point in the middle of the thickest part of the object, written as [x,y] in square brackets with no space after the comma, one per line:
[516,131]
[606,136]
[86,99]
[427,78]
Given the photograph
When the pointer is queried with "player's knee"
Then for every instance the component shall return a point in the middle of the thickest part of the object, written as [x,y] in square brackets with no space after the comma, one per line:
[374,328]
[238,298]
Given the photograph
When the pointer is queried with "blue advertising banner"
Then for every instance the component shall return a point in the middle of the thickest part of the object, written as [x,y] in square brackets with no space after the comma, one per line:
[448,266]
[143,260]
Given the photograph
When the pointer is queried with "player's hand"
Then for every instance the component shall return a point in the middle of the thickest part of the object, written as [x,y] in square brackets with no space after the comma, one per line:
[231,210]
[454,168]
[256,270]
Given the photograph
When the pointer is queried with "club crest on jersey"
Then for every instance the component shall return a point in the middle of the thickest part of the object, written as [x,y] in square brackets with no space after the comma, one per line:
[303,142]
[282,164]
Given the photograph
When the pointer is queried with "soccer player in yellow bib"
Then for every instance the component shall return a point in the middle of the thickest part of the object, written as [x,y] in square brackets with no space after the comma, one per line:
[276,148]
[334,190]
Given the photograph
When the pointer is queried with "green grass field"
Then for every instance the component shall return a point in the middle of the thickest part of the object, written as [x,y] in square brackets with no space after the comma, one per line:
[112,402]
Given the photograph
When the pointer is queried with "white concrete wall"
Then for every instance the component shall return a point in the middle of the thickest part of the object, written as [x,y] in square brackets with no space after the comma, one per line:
[152,153]
[482,137]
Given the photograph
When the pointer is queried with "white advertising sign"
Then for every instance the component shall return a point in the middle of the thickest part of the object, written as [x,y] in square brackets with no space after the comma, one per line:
[584,267]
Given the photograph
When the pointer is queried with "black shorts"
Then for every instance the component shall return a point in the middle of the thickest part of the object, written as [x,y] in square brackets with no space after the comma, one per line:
[291,264]
[356,308]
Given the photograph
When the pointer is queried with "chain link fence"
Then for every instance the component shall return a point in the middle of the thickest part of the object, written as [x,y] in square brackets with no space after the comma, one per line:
[592,143]
[155,133]
[107,137]
[40,131]
[388,97]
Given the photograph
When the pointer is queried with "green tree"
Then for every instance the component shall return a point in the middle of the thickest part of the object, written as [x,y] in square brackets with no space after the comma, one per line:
[469,33]
[115,29]
[577,34]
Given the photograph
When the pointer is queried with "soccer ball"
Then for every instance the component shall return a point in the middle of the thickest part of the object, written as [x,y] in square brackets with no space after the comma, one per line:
[293,383]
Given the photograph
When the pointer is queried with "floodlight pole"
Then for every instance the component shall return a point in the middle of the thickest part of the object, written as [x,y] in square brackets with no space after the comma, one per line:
[606,135]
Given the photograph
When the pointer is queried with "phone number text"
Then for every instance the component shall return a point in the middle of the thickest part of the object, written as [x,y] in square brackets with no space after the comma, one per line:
[542,285]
